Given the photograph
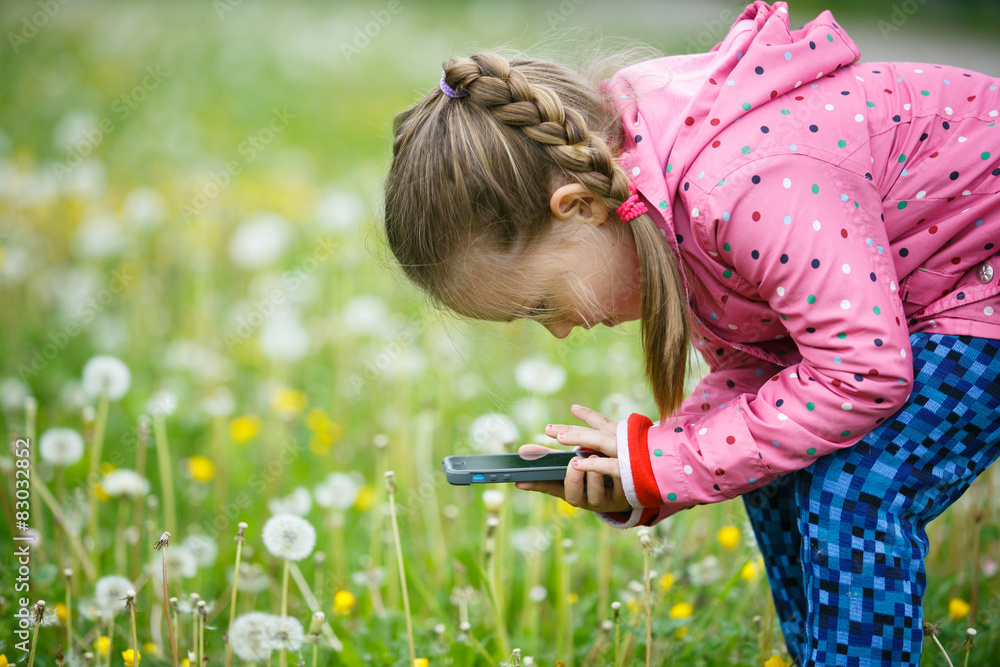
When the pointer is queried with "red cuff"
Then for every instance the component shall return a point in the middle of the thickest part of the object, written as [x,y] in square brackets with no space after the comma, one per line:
[646,489]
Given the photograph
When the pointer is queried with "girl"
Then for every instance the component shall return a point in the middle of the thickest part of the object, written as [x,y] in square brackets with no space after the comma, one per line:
[823,230]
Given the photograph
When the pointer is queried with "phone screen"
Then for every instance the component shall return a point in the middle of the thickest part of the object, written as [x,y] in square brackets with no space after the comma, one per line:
[512,461]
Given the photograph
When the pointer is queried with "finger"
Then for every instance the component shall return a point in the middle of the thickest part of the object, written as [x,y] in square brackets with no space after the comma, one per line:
[573,485]
[528,449]
[550,488]
[596,493]
[593,418]
[598,464]
[606,443]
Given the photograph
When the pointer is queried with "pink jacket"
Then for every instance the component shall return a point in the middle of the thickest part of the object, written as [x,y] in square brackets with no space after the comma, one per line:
[823,209]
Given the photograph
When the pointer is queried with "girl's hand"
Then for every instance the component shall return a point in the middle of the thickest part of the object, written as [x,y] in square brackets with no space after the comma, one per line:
[584,485]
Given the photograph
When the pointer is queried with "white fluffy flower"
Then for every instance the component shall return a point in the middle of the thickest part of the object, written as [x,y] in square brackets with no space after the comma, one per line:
[288,536]
[617,407]
[491,433]
[144,206]
[340,211]
[250,636]
[204,550]
[367,315]
[162,404]
[338,491]
[540,376]
[180,563]
[538,593]
[12,394]
[705,571]
[61,446]
[299,502]
[493,499]
[106,375]
[253,577]
[220,403]
[123,482]
[283,338]
[259,241]
[286,633]
[110,594]
[99,237]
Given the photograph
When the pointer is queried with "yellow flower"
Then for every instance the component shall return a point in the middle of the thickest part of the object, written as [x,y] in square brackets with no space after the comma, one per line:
[366,496]
[776,661]
[185,662]
[150,648]
[958,609]
[572,598]
[288,403]
[244,428]
[343,602]
[102,645]
[666,582]
[200,468]
[682,632]
[107,467]
[420,662]
[3,660]
[681,610]
[729,537]
[100,493]
[131,660]
[317,420]
[634,605]
[566,510]
[749,571]
[61,612]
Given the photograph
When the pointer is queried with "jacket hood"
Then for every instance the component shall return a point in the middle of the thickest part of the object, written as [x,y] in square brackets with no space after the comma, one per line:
[702,95]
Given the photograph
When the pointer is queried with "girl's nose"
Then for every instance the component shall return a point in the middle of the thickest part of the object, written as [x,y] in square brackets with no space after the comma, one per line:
[559,329]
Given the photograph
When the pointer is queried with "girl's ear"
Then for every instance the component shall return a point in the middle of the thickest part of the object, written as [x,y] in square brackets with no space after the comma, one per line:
[573,202]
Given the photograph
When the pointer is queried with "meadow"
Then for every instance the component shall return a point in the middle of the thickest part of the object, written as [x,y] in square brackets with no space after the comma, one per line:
[203,336]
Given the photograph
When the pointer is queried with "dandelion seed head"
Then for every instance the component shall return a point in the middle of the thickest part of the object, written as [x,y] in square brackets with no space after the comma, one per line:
[491,433]
[203,549]
[61,447]
[250,636]
[259,241]
[540,376]
[538,593]
[493,500]
[110,593]
[122,482]
[286,633]
[338,491]
[220,403]
[299,502]
[289,536]
[106,375]
[162,404]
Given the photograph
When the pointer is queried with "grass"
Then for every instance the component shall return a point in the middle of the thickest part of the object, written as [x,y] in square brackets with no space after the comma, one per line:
[143,226]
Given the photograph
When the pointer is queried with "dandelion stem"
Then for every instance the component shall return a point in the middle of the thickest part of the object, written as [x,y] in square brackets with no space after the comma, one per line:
[68,574]
[164,541]
[120,564]
[142,433]
[166,473]
[977,518]
[95,468]
[135,642]
[562,608]
[391,484]
[649,616]
[492,574]
[284,606]
[300,581]
[60,517]
[616,608]
[30,415]
[232,603]
[948,659]
[34,640]
[111,637]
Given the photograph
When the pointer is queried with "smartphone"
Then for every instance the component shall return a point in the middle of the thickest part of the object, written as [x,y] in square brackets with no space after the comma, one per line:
[462,469]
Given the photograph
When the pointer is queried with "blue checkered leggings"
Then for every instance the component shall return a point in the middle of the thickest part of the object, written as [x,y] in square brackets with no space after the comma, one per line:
[844,540]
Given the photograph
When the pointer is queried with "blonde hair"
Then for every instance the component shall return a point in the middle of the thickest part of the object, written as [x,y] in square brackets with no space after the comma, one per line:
[477,171]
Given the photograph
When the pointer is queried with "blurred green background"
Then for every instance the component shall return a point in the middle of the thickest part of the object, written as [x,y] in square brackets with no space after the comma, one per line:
[194,187]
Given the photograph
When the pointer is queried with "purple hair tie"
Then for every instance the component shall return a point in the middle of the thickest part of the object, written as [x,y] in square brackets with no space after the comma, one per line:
[449,91]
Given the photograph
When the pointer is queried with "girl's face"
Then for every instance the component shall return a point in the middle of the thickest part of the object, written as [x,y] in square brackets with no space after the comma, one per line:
[585,272]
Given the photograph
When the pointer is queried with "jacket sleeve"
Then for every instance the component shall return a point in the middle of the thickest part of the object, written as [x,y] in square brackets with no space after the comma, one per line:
[809,239]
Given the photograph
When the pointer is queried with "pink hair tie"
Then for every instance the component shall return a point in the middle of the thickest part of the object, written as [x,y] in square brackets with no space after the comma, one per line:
[631,207]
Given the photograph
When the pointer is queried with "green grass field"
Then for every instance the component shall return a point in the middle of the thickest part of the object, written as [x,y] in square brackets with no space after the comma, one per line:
[193,188]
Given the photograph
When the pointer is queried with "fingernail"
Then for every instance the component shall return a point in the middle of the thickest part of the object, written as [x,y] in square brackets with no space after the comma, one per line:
[576,464]
[575,406]
[561,435]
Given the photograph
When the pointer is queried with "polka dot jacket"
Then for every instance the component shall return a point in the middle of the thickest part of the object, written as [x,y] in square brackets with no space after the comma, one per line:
[822,209]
